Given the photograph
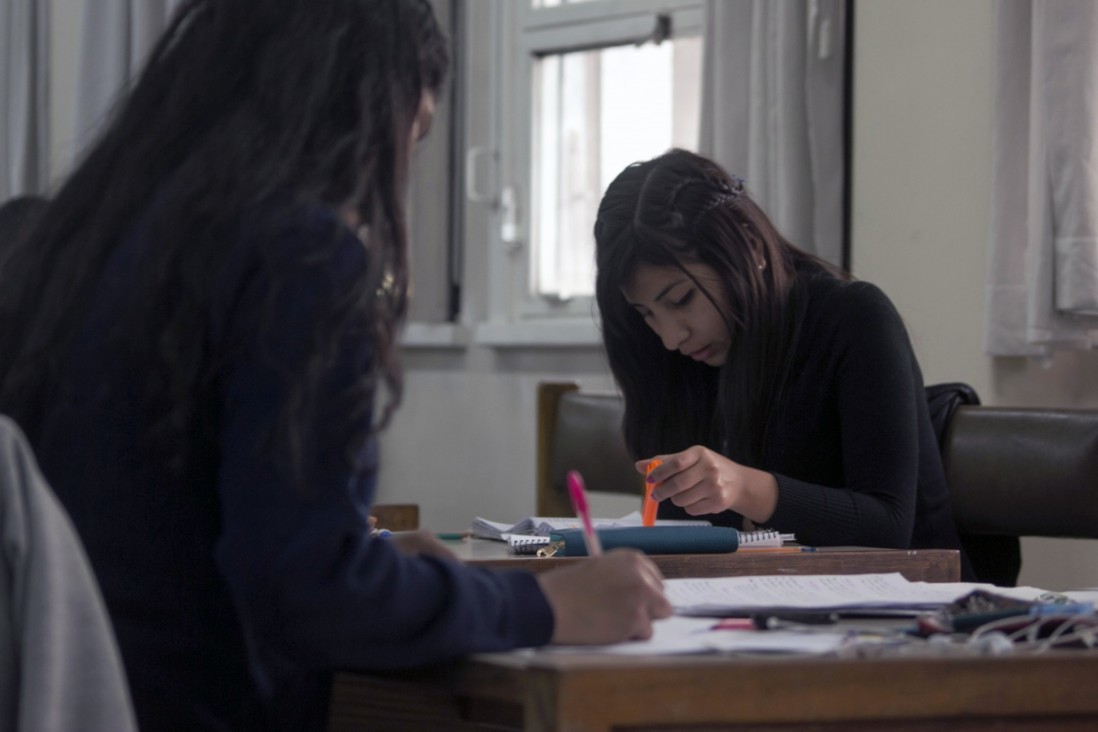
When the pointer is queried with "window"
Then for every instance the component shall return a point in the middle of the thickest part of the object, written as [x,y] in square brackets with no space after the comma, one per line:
[584,89]
[596,112]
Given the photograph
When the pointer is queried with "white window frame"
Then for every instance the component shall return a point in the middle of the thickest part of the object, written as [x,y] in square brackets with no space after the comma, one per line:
[436,208]
[515,317]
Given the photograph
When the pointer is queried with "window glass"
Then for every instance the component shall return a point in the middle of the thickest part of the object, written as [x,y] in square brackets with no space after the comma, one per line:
[553,3]
[594,113]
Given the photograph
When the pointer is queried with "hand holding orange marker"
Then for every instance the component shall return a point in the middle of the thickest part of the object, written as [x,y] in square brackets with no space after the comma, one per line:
[648,514]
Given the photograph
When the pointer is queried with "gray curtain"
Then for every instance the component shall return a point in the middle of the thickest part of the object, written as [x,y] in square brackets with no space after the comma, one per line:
[772,110]
[24,89]
[116,36]
[1042,290]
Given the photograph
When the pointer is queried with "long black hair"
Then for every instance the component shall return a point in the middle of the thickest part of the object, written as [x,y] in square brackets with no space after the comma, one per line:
[17,215]
[241,102]
[681,208]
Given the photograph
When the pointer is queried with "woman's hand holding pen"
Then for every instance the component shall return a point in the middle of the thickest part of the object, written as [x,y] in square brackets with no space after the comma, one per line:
[606,599]
[702,481]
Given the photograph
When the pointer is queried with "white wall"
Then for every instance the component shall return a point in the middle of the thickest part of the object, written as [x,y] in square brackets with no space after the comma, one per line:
[922,193]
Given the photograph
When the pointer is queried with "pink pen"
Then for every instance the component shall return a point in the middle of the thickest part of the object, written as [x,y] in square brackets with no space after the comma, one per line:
[579,503]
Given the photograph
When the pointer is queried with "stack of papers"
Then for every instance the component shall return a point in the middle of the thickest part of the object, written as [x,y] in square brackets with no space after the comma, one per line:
[538,525]
[698,601]
[736,596]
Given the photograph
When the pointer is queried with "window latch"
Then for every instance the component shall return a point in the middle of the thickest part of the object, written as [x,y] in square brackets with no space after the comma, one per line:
[509,221]
[660,33]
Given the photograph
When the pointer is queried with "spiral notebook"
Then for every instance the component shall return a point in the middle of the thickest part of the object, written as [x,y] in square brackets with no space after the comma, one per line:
[529,544]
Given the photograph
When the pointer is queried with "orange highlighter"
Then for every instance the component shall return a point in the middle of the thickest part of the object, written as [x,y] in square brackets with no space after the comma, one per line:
[648,515]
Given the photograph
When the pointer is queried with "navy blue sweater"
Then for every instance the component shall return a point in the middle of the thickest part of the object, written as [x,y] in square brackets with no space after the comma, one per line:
[234,589]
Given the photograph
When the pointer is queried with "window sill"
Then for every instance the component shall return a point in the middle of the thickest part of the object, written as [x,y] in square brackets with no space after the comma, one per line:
[434,335]
[542,334]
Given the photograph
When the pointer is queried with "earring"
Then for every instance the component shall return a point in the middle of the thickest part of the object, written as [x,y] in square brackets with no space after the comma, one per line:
[762,265]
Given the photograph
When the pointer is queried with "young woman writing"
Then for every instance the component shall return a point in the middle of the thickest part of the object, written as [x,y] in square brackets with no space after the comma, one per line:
[195,342]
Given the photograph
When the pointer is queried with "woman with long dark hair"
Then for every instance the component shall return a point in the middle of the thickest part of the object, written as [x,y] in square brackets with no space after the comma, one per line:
[774,388]
[195,335]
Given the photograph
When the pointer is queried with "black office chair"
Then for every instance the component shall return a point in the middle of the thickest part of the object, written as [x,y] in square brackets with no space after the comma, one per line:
[1015,472]
[581,431]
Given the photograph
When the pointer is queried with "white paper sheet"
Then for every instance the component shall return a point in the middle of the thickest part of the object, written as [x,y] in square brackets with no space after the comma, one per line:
[681,633]
[676,634]
[730,595]
[686,635]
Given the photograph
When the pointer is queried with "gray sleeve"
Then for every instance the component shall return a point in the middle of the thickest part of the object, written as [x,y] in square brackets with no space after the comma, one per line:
[65,671]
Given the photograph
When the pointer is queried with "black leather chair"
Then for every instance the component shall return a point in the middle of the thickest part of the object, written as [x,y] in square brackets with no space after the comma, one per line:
[1016,472]
[1012,472]
[581,431]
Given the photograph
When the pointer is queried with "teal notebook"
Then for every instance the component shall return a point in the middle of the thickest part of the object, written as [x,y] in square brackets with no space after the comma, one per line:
[652,540]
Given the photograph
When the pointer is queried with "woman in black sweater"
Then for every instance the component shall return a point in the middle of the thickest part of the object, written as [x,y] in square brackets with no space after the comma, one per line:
[774,388]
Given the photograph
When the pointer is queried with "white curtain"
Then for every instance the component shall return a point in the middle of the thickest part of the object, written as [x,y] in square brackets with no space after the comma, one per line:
[772,110]
[24,87]
[116,36]
[1043,251]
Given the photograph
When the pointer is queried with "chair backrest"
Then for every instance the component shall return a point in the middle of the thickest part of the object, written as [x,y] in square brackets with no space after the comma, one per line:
[580,431]
[1024,471]
[396,516]
[1015,472]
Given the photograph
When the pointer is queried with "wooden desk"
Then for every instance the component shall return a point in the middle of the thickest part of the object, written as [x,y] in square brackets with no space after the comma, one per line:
[926,565]
[553,693]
